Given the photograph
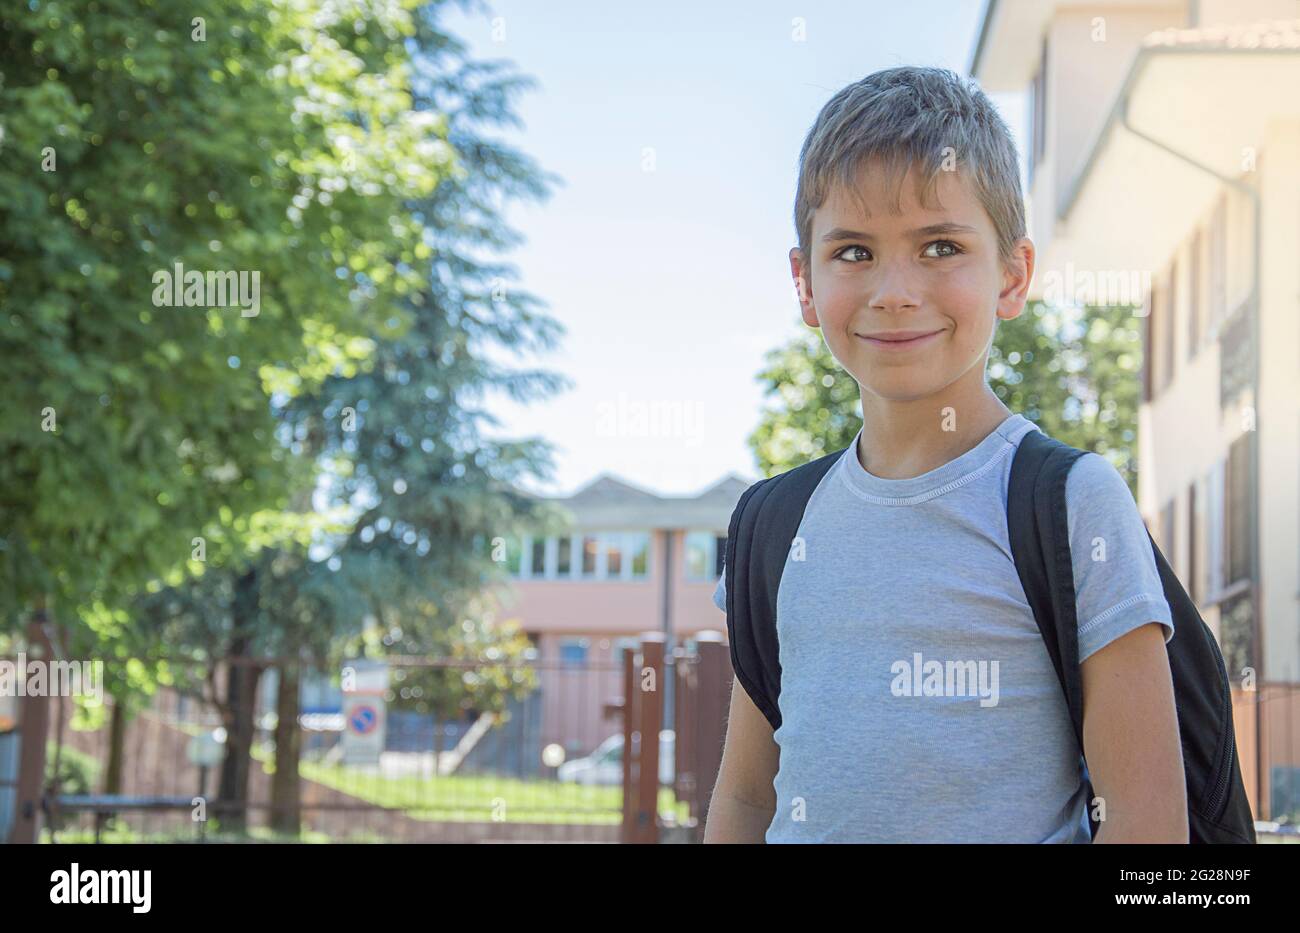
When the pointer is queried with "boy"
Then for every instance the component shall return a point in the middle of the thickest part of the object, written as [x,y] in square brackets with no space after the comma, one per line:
[911,245]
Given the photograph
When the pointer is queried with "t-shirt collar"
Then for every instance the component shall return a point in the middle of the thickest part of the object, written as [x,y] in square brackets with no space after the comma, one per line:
[955,472]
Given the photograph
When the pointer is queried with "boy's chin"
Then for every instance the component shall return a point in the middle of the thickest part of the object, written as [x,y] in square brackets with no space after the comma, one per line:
[902,388]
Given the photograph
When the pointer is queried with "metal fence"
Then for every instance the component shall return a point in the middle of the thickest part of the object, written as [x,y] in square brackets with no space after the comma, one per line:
[531,751]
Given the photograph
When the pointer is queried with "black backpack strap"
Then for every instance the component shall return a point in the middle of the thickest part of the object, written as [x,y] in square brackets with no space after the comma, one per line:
[1218,808]
[1039,531]
[763,526]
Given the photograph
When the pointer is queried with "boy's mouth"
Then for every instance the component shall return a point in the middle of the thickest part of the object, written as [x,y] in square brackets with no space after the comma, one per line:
[899,339]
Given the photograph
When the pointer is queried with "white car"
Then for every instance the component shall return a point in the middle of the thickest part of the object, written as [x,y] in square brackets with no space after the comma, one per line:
[605,764]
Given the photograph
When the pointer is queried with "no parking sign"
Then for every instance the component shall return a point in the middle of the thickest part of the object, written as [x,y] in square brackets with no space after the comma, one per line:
[364,719]
[364,711]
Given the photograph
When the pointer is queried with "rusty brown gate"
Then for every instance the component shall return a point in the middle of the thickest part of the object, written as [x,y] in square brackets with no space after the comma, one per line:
[683,694]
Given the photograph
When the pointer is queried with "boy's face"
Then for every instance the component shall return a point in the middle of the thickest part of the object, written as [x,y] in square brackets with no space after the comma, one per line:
[907,302]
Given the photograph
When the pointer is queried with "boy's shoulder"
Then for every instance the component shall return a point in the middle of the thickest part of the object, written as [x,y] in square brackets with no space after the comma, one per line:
[791,481]
[1093,472]
[1094,487]
[1089,471]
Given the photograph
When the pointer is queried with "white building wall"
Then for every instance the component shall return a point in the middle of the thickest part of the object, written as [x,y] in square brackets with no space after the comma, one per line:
[1089,54]
[1210,12]
[1279,403]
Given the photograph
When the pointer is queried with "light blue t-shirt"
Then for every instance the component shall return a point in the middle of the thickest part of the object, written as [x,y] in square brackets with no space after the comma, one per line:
[918,700]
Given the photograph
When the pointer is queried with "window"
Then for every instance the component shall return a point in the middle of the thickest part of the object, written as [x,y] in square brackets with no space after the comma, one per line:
[1194,299]
[573,651]
[1213,484]
[590,553]
[537,557]
[1148,346]
[1236,512]
[705,554]
[638,551]
[1168,326]
[607,555]
[514,554]
[1193,542]
[538,567]
[1219,265]
[1158,335]
[1038,114]
[1168,533]
[613,555]
[699,554]
[1236,634]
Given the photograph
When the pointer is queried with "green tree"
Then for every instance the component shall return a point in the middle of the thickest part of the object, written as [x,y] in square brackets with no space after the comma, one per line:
[429,488]
[1076,373]
[270,137]
[242,135]
[1073,372]
[401,451]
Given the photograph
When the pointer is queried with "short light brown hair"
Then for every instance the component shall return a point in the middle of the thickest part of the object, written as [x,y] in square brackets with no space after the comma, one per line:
[908,117]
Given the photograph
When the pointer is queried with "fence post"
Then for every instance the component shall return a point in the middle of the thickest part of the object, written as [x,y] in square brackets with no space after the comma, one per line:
[712,699]
[630,707]
[685,763]
[33,729]
[648,690]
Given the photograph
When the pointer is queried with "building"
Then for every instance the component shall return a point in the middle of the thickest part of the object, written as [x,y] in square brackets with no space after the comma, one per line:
[630,561]
[1164,172]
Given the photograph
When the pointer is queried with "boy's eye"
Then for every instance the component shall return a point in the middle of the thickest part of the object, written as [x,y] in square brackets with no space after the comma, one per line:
[861,253]
[951,249]
[944,248]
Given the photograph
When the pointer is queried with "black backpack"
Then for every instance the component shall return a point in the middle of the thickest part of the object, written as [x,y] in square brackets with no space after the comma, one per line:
[766,520]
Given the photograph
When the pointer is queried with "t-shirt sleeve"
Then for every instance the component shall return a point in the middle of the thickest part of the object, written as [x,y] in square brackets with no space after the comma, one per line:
[1116,583]
[720,591]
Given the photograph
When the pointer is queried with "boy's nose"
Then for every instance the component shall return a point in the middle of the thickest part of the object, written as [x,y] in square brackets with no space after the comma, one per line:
[891,291]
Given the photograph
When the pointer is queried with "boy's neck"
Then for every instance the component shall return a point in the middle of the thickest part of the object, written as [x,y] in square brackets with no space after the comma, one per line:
[901,440]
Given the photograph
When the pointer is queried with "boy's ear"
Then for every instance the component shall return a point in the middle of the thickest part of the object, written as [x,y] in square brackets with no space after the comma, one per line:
[1016,277]
[801,274]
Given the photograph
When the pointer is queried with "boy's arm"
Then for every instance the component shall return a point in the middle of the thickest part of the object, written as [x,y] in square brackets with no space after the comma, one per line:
[1130,725]
[744,798]
[1131,740]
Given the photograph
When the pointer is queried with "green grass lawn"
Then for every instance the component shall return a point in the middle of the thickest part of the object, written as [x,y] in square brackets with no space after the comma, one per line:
[119,833]
[484,798]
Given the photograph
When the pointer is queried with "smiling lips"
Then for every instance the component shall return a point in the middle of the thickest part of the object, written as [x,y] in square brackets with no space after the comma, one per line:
[899,339]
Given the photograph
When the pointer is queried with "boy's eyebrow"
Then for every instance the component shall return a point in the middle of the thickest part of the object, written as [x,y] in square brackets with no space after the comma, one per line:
[840,233]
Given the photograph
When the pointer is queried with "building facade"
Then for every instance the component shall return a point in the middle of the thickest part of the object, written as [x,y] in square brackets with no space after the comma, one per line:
[1164,173]
[629,561]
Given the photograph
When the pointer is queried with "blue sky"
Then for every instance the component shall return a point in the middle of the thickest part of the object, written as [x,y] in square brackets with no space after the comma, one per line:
[676,129]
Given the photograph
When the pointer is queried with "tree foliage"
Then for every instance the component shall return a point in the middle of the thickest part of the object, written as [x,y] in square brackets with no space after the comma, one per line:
[267,136]
[406,479]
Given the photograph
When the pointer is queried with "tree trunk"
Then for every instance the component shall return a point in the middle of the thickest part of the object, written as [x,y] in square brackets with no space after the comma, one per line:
[240,714]
[286,809]
[33,732]
[241,697]
[116,743]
